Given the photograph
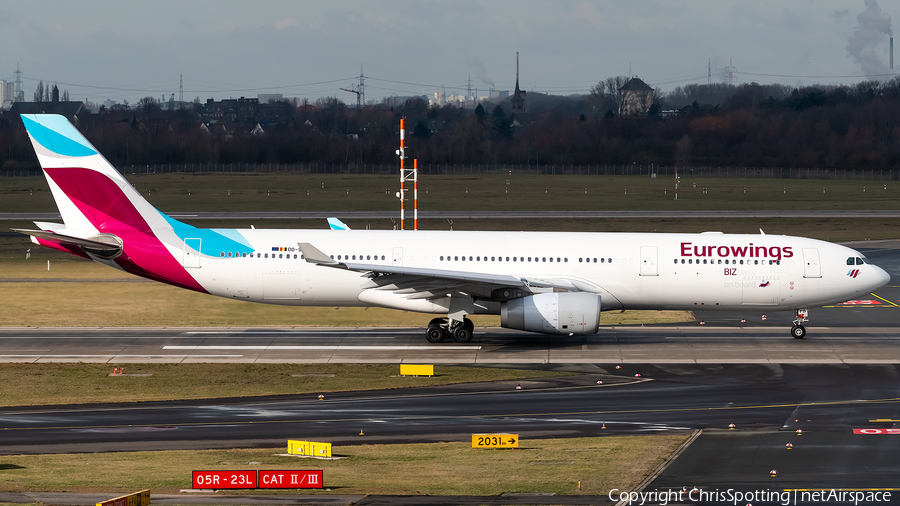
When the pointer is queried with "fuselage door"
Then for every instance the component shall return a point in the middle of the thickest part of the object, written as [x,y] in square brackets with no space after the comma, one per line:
[648,261]
[811,268]
[191,257]
[397,258]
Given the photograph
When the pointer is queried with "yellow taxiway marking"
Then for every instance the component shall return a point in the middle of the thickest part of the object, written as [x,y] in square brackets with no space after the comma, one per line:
[882,298]
[892,304]
[881,420]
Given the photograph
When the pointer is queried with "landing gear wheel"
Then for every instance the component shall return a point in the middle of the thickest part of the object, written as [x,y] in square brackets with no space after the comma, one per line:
[434,334]
[469,325]
[462,334]
[798,331]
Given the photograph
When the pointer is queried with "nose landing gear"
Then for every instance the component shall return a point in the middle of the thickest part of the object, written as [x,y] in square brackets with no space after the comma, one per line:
[798,331]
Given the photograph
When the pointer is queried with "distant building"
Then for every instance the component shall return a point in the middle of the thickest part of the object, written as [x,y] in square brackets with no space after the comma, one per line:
[518,99]
[68,109]
[635,98]
[7,94]
[265,98]
[498,94]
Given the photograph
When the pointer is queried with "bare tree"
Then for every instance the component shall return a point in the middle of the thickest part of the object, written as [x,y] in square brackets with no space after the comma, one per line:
[39,93]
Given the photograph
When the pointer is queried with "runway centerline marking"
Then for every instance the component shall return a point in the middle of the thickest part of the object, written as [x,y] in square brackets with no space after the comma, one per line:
[323,347]
[318,333]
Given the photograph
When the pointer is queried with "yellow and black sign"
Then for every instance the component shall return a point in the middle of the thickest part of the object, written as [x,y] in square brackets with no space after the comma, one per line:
[495,440]
[141,498]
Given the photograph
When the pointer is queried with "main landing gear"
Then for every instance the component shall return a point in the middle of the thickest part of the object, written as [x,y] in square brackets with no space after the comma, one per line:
[439,328]
[798,330]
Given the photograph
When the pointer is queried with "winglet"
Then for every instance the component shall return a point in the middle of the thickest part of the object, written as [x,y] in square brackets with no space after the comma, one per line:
[315,256]
[337,224]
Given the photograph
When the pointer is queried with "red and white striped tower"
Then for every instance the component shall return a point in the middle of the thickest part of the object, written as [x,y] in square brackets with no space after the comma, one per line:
[415,194]
[402,153]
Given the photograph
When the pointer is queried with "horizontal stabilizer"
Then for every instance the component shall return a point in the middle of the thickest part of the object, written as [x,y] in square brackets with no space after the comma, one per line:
[103,243]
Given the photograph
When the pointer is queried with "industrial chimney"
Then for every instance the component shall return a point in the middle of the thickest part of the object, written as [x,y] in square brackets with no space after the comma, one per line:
[892,53]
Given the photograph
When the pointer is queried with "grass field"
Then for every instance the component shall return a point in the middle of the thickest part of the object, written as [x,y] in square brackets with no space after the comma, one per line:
[44,384]
[538,466]
[337,193]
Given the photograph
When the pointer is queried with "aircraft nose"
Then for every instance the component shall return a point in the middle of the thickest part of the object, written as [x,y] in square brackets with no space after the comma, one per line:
[882,276]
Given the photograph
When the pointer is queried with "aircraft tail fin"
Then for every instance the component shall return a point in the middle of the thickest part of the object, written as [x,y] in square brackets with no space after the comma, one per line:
[105,217]
[337,224]
[91,194]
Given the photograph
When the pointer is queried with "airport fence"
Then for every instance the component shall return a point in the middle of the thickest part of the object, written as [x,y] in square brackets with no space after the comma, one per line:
[659,171]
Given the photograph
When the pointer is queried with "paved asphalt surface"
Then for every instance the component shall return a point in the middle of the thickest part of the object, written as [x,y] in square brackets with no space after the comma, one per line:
[768,400]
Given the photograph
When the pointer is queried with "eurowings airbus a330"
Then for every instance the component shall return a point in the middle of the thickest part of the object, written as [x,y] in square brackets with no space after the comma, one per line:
[547,282]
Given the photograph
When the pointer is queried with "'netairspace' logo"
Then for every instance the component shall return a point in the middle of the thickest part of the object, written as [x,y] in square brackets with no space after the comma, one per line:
[735,497]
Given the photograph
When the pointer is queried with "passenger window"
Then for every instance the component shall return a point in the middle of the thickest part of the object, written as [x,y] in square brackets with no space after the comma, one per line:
[682,260]
[595,260]
[456,258]
[222,254]
[720,261]
[514,259]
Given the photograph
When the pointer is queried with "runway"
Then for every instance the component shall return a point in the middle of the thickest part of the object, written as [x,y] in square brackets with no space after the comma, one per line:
[664,398]
[693,344]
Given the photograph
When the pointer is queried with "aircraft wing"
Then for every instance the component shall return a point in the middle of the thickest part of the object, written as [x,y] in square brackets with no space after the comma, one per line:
[426,283]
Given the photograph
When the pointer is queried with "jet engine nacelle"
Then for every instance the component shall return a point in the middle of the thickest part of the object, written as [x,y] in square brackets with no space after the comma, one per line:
[553,313]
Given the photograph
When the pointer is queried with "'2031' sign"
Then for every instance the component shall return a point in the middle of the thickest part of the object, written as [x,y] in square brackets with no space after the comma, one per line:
[249,479]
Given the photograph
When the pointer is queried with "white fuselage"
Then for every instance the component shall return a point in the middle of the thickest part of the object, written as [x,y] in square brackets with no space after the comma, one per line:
[629,270]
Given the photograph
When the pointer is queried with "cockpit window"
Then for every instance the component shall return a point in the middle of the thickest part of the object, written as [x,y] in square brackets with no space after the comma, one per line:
[866,260]
[850,261]
[859,261]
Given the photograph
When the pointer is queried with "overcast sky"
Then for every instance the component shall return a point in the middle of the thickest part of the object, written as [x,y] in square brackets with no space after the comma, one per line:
[119,50]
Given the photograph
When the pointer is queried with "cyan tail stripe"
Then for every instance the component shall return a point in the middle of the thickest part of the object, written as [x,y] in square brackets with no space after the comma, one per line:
[56,134]
[213,242]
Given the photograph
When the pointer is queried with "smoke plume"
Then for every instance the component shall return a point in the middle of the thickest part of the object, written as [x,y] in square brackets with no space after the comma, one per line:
[872,33]
[480,72]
